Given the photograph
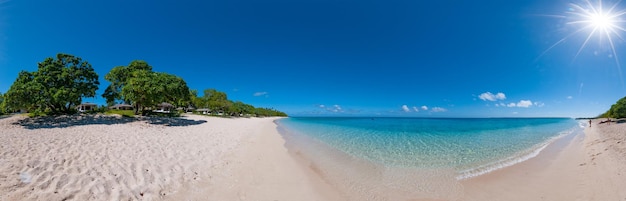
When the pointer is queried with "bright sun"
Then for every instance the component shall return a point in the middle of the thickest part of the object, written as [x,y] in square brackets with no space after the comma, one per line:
[602,23]
[595,20]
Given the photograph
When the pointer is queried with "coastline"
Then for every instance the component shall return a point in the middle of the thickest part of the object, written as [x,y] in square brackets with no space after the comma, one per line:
[200,158]
[578,167]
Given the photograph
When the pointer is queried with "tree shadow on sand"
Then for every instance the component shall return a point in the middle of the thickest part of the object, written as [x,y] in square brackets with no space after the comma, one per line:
[65,121]
[172,121]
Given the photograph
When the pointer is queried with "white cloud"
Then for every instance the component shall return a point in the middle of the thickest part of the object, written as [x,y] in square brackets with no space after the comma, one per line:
[334,108]
[524,103]
[438,109]
[569,97]
[406,108]
[488,96]
[262,93]
[424,107]
[415,109]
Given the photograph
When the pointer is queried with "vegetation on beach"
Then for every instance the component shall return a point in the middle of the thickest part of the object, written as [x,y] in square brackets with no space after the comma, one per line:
[217,102]
[139,85]
[2,105]
[60,84]
[124,113]
[617,110]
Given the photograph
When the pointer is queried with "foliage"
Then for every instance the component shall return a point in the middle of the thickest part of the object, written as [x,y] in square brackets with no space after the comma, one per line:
[617,110]
[124,113]
[2,106]
[118,77]
[138,85]
[58,85]
[218,102]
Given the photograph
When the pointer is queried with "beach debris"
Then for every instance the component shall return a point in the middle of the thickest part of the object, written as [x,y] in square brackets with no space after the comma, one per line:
[25,177]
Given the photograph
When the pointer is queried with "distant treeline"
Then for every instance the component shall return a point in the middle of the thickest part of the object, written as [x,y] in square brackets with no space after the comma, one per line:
[60,84]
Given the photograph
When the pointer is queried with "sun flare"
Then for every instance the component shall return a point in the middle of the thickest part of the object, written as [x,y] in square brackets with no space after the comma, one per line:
[595,22]
[601,21]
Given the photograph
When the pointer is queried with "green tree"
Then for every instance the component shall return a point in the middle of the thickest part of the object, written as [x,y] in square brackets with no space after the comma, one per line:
[58,85]
[138,85]
[195,100]
[618,110]
[216,100]
[2,107]
[119,76]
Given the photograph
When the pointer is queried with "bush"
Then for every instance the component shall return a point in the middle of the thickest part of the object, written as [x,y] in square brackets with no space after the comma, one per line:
[124,113]
[37,113]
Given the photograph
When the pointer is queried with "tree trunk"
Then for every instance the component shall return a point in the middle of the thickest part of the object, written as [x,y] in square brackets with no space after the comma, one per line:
[137,109]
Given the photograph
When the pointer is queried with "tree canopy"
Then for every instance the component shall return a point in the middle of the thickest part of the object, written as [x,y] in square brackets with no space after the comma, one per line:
[58,85]
[617,110]
[138,85]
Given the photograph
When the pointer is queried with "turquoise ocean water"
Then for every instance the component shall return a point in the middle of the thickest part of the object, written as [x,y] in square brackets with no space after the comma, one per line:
[423,153]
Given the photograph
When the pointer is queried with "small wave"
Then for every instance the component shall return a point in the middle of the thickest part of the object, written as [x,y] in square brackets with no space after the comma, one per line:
[518,158]
[583,124]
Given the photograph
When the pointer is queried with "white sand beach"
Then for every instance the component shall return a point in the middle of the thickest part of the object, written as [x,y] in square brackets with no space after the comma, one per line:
[207,158]
[115,158]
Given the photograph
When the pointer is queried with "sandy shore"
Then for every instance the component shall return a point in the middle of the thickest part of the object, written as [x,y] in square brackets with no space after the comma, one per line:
[585,166]
[115,158]
[203,158]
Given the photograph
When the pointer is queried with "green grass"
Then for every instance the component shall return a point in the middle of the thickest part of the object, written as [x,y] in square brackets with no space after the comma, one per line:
[124,113]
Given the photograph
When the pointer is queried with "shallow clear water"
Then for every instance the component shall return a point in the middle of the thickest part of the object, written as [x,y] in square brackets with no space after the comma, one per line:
[467,146]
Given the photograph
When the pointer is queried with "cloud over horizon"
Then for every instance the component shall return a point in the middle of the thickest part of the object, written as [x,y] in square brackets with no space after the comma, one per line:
[438,109]
[521,103]
[261,93]
[405,108]
[488,96]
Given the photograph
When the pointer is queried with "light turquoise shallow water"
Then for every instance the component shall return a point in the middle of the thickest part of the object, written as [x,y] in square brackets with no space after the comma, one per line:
[469,147]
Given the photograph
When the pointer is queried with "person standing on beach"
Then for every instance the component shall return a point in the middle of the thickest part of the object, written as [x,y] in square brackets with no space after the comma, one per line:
[589,123]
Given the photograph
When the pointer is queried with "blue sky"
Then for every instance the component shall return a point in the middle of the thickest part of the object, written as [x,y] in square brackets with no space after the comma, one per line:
[319,57]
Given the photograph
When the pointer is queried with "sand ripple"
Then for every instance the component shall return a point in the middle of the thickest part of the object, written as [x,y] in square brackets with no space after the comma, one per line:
[120,159]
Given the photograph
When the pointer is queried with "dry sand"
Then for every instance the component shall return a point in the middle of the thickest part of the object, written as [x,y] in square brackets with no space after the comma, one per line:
[202,158]
[86,157]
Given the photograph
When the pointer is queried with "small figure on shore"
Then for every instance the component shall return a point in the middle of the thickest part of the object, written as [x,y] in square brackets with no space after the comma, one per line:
[589,123]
